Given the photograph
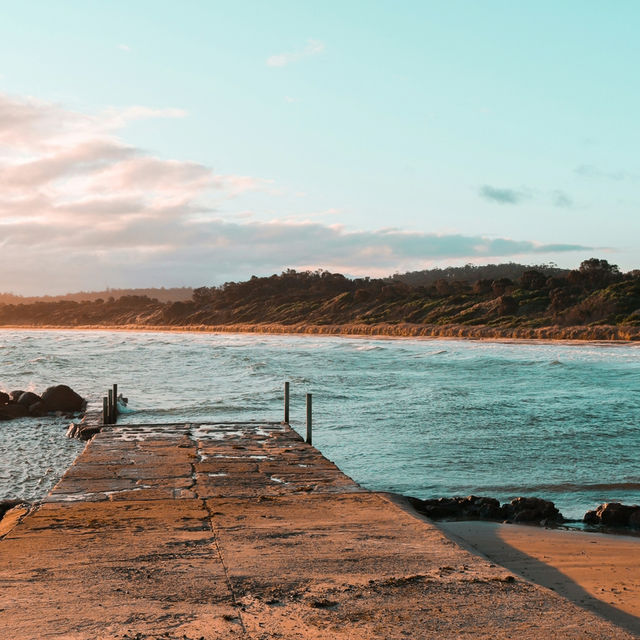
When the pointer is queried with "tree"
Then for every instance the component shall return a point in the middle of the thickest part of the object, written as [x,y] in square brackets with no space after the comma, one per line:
[595,273]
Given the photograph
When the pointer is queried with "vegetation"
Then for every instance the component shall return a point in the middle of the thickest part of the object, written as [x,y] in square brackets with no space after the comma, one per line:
[161,294]
[595,294]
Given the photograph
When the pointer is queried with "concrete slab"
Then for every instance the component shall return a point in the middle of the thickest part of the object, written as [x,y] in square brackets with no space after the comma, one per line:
[244,531]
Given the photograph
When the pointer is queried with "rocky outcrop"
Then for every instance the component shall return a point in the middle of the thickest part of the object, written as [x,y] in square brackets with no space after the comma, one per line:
[62,398]
[56,399]
[532,510]
[614,514]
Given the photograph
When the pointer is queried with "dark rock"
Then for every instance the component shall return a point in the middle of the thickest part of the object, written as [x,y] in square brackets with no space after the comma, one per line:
[38,409]
[634,519]
[62,398]
[615,514]
[472,507]
[591,517]
[4,398]
[14,395]
[27,398]
[531,510]
[11,411]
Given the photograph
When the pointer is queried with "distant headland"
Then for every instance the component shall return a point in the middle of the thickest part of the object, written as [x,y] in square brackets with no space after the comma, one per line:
[596,301]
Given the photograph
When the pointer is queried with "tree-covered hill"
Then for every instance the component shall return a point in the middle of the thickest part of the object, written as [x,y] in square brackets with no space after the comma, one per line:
[595,294]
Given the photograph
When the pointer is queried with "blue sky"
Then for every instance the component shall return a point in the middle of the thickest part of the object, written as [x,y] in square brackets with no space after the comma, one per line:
[209,141]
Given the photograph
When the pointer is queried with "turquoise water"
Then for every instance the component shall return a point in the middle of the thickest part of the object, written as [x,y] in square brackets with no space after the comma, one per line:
[426,418]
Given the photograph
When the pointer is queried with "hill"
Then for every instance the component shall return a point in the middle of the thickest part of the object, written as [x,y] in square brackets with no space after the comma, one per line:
[596,294]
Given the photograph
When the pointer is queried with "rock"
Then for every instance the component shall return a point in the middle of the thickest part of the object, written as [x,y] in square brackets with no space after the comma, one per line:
[471,507]
[531,510]
[613,514]
[4,398]
[14,395]
[38,409]
[11,411]
[634,519]
[62,398]
[27,398]
[591,517]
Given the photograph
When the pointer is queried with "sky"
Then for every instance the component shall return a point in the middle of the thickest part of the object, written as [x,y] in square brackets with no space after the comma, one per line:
[196,142]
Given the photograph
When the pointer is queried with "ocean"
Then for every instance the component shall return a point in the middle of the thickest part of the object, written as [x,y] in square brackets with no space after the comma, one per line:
[426,418]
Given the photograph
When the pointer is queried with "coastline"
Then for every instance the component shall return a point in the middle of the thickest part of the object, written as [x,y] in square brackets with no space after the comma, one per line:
[604,334]
[599,572]
[312,556]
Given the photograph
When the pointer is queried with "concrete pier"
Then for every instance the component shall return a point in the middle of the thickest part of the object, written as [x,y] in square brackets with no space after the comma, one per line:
[220,531]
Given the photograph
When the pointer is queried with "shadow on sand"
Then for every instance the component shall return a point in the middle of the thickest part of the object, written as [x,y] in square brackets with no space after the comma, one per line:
[498,551]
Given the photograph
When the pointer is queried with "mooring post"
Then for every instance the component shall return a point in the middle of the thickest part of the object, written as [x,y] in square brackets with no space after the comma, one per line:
[309,439]
[105,410]
[110,396]
[115,403]
[286,402]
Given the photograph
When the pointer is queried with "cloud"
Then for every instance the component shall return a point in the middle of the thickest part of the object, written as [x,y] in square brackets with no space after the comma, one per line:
[81,209]
[124,47]
[502,196]
[561,199]
[590,171]
[313,47]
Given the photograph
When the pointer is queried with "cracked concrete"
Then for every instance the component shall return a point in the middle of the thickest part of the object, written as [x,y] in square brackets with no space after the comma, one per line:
[182,531]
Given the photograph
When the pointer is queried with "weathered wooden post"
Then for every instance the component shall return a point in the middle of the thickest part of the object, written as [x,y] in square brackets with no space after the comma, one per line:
[110,396]
[115,403]
[105,410]
[309,438]
[286,402]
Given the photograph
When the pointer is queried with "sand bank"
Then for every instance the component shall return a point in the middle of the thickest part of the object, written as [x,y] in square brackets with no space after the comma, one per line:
[578,334]
[598,572]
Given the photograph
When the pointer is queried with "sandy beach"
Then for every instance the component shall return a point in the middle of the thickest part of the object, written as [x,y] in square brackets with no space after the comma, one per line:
[402,331]
[598,572]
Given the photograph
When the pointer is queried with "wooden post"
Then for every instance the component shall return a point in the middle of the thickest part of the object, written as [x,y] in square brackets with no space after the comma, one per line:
[115,403]
[286,402]
[110,396]
[309,439]
[105,410]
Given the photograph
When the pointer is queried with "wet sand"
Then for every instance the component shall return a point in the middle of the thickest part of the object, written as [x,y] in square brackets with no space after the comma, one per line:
[598,572]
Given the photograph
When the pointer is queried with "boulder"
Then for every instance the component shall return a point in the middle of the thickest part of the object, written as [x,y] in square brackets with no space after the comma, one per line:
[11,411]
[591,517]
[531,510]
[38,409]
[614,514]
[471,507]
[14,395]
[27,398]
[62,398]
[634,519]
[4,398]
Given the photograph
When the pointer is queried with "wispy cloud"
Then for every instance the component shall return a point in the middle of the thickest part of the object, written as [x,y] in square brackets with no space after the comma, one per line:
[591,171]
[561,199]
[78,205]
[124,47]
[313,47]
[502,195]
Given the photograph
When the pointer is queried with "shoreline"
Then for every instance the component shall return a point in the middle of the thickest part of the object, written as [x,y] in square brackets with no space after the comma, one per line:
[599,572]
[541,335]
[296,549]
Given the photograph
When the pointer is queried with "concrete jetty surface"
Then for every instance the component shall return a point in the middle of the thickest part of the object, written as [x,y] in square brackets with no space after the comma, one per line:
[227,531]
